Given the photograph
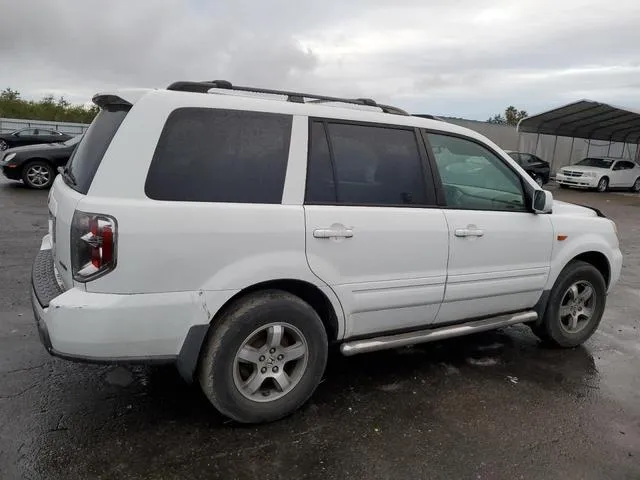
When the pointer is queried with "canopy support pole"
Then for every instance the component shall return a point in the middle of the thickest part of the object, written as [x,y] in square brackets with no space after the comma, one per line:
[573,139]
[535,151]
[609,150]
[553,155]
[588,146]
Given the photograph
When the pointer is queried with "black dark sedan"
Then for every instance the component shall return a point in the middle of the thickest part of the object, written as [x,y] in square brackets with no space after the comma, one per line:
[31,136]
[534,166]
[37,165]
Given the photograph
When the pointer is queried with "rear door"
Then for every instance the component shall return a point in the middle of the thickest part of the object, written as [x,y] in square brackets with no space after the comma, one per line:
[499,252]
[627,174]
[50,136]
[373,232]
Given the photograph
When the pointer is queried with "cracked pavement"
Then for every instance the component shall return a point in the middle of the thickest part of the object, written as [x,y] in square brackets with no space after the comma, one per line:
[492,406]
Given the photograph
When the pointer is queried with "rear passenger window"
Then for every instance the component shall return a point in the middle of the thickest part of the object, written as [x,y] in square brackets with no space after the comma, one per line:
[371,165]
[210,155]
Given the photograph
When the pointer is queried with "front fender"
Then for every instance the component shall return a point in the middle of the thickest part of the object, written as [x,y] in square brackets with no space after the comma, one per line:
[586,244]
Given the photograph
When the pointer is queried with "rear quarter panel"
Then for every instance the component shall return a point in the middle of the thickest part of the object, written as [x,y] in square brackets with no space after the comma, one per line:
[214,248]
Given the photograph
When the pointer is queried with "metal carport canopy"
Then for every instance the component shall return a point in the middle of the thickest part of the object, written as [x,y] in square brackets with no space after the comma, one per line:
[586,119]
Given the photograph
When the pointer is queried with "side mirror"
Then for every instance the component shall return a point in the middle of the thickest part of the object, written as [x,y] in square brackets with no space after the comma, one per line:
[542,201]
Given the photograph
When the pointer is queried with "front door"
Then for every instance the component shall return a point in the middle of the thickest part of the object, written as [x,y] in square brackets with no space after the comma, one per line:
[500,252]
[373,233]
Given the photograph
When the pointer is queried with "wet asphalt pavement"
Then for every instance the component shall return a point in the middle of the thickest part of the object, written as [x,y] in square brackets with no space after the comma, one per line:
[491,406]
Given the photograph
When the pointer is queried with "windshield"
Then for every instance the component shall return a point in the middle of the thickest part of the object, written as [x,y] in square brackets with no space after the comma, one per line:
[72,141]
[595,162]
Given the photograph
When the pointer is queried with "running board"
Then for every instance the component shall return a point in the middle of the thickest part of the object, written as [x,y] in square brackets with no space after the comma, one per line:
[423,336]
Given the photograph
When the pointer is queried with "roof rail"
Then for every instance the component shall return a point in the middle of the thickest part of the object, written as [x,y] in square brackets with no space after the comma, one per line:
[296,97]
[429,116]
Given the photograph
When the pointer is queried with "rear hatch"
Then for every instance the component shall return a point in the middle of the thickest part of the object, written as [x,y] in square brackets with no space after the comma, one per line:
[76,180]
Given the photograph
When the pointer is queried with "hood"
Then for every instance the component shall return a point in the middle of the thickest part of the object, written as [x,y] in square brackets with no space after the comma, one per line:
[583,168]
[564,208]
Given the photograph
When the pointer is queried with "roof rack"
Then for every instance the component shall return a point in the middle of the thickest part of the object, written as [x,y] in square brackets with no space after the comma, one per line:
[295,97]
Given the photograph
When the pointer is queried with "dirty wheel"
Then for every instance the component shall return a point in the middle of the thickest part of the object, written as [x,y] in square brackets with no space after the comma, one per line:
[575,307]
[264,357]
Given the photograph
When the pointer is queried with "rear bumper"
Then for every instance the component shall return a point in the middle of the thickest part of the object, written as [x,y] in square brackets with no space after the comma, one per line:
[112,328]
[583,182]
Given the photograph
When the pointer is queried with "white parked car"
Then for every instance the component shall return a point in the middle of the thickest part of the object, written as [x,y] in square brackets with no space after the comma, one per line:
[601,174]
[238,237]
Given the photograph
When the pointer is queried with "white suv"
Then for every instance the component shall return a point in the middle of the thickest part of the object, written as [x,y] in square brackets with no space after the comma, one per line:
[238,237]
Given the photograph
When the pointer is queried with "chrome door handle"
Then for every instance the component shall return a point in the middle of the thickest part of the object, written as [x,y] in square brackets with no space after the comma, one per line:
[469,232]
[333,233]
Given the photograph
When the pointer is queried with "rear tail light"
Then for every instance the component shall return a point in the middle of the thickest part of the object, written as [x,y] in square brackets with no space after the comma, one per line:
[93,245]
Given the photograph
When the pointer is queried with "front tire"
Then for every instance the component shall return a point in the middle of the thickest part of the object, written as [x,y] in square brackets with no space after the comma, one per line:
[575,307]
[38,174]
[603,185]
[3,145]
[264,357]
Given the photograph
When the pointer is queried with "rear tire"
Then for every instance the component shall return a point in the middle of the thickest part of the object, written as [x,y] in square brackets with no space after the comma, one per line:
[264,357]
[563,186]
[38,174]
[575,307]
[603,185]
[3,145]
[636,186]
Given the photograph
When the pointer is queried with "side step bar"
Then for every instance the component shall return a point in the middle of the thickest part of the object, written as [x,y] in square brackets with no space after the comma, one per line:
[424,336]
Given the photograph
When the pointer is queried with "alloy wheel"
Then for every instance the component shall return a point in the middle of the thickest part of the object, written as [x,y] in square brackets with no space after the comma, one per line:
[577,307]
[38,175]
[270,362]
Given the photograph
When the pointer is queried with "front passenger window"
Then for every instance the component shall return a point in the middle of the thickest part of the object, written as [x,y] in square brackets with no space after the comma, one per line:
[473,177]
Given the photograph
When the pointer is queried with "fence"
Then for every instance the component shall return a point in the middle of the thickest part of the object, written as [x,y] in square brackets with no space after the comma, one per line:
[8,125]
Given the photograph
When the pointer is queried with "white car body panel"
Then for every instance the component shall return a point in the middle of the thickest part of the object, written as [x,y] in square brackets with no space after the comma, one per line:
[179,263]
[503,270]
[391,273]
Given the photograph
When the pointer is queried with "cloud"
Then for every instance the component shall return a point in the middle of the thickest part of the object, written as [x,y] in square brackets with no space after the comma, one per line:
[450,57]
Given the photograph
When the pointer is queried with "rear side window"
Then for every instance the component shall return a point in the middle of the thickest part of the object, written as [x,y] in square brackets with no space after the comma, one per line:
[365,165]
[212,155]
[86,158]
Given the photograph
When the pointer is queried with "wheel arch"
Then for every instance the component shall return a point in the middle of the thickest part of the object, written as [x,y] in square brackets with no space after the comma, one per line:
[593,257]
[328,311]
[599,261]
[30,160]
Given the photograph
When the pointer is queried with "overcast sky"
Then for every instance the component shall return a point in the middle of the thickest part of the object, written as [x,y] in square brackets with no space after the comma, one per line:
[466,58]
